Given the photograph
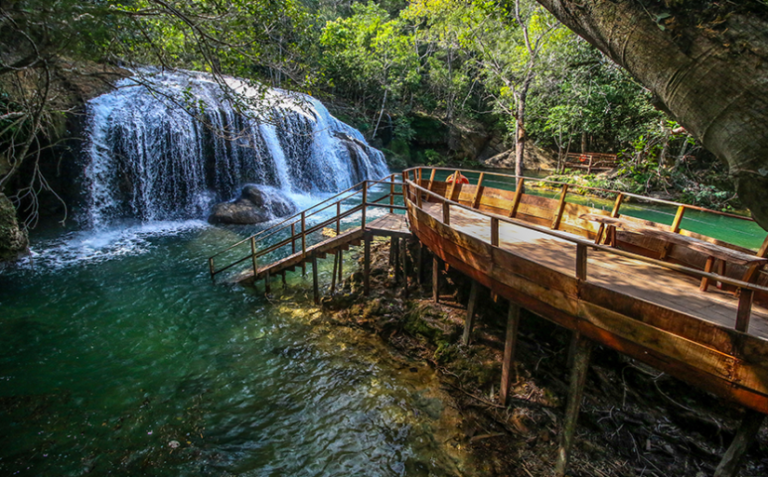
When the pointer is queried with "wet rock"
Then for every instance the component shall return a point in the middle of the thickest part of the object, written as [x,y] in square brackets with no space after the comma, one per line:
[13,239]
[256,204]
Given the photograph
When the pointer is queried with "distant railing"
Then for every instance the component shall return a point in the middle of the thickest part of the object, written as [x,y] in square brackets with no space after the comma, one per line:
[416,194]
[591,161]
[257,241]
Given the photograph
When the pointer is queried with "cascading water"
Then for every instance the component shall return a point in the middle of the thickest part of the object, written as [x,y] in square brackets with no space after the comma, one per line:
[149,157]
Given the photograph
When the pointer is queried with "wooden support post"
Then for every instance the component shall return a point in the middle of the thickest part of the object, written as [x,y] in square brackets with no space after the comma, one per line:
[420,264]
[392,250]
[720,270]
[267,287]
[392,194]
[418,198]
[341,263]
[315,284]
[303,244]
[469,321]
[253,257]
[404,252]
[435,279]
[365,203]
[518,195]
[395,257]
[745,435]
[213,270]
[293,238]
[285,282]
[494,231]
[581,262]
[366,264]
[478,191]
[446,213]
[674,228]
[707,268]
[744,312]
[513,320]
[560,208]
[333,275]
[583,350]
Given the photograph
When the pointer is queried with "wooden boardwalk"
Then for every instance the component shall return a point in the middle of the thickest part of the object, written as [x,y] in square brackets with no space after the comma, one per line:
[633,278]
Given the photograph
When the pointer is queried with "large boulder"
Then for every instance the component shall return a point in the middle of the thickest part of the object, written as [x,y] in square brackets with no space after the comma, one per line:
[13,239]
[255,205]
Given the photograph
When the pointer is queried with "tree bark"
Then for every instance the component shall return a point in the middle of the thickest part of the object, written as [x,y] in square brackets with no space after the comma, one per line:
[712,78]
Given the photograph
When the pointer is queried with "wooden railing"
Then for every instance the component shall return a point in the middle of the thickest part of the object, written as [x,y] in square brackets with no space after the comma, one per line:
[259,245]
[591,160]
[416,194]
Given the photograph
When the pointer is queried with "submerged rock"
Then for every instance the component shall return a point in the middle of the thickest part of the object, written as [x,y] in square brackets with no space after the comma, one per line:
[13,239]
[256,204]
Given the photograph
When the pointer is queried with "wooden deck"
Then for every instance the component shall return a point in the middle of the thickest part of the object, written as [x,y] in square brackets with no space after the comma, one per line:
[526,248]
[630,277]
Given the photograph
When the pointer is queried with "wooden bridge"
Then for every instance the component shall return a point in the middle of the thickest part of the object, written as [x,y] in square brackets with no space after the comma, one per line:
[690,305]
[311,235]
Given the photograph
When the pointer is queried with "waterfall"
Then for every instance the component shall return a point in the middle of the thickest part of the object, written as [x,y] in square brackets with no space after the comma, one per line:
[150,157]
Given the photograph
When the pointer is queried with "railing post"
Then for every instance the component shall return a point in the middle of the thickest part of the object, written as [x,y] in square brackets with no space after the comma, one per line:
[560,208]
[431,179]
[303,234]
[338,218]
[494,231]
[392,194]
[365,203]
[293,238]
[518,195]
[478,195]
[446,213]
[253,257]
[745,309]
[674,228]
[581,262]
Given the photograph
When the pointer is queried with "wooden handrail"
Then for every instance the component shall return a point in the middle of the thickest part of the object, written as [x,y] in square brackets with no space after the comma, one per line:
[300,218]
[578,241]
[598,189]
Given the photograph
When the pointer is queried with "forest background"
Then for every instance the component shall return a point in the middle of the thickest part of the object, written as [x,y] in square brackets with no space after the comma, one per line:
[433,82]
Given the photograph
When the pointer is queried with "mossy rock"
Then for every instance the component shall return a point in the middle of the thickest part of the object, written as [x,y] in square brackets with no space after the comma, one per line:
[14,241]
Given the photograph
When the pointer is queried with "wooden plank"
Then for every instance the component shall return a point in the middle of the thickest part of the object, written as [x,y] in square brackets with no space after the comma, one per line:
[510,343]
[707,268]
[581,262]
[431,179]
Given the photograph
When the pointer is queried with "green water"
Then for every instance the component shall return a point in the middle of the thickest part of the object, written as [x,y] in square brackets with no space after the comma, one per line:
[115,344]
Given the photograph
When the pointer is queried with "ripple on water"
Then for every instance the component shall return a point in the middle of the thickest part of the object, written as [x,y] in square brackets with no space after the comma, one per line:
[113,348]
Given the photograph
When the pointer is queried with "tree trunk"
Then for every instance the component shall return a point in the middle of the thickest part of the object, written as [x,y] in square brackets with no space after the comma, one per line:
[712,77]
[520,126]
[381,113]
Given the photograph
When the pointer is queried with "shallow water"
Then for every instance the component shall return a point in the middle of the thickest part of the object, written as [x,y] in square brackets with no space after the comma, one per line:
[113,345]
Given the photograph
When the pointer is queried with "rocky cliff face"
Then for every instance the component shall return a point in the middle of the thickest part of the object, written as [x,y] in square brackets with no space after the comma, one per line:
[13,239]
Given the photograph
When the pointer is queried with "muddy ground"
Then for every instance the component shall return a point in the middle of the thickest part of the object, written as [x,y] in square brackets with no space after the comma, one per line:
[634,421]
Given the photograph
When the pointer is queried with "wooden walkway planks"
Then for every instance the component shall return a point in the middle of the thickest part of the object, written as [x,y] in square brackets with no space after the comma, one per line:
[638,279]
